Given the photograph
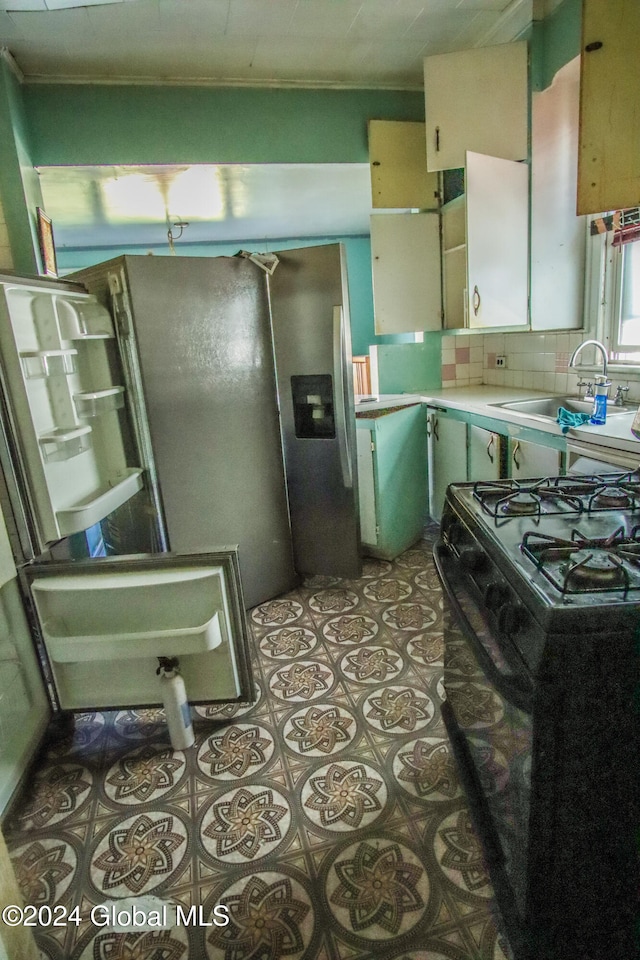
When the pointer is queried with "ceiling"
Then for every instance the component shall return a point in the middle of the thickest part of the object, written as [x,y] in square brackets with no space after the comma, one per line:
[366,43]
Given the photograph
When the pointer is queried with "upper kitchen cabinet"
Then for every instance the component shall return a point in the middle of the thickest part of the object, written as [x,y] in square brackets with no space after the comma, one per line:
[485,246]
[405,260]
[398,162]
[476,100]
[609,147]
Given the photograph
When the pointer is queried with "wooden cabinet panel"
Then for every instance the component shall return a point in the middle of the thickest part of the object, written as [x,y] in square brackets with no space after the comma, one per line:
[476,100]
[609,145]
[398,162]
[405,258]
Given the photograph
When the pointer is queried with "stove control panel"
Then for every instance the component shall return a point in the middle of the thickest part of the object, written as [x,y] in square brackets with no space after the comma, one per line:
[508,617]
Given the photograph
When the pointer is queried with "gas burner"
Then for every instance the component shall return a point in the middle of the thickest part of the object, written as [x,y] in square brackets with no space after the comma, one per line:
[612,498]
[583,564]
[593,570]
[523,503]
[508,499]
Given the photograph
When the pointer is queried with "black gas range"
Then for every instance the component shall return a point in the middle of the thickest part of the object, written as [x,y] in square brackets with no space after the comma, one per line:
[542,682]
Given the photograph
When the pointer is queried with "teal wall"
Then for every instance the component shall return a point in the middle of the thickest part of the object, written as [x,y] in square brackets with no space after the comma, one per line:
[19,184]
[555,41]
[84,124]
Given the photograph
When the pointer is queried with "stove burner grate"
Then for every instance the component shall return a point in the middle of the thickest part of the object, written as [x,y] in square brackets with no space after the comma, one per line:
[585,564]
[506,499]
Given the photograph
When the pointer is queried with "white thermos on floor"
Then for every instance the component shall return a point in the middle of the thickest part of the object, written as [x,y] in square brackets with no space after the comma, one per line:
[176,705]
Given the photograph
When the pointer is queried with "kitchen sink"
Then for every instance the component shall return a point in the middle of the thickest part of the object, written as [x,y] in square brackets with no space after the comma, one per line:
[548,406]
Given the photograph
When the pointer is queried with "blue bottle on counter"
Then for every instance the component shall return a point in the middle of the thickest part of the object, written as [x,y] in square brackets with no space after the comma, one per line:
[599,414]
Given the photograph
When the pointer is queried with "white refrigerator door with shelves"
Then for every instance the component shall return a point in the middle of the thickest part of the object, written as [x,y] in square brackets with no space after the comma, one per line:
[62,398]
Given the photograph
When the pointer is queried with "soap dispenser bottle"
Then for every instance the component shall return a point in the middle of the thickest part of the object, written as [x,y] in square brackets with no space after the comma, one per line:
[599,413]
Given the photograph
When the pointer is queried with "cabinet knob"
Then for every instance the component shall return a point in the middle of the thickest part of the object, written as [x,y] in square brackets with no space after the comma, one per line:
[595,45]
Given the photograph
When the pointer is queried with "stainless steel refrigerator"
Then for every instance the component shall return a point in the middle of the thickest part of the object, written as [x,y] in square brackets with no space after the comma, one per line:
[159,404]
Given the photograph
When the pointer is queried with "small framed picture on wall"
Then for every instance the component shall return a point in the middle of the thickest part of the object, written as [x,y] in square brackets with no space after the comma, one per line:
[47,246]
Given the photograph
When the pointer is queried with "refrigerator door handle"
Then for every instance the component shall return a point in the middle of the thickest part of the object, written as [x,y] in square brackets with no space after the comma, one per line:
[339,387]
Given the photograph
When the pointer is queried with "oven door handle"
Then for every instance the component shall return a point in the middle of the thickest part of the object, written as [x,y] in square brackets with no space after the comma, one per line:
[513,690]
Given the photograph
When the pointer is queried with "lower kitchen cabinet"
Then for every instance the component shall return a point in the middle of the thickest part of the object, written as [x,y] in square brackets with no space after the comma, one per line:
[392,478]
[447,438]
[485,454]
[527,460]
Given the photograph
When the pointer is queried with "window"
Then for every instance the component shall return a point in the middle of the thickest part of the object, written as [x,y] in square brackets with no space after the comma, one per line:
[615,296]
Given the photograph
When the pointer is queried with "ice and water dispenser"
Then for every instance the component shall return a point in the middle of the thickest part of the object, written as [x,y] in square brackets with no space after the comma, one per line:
[313,406]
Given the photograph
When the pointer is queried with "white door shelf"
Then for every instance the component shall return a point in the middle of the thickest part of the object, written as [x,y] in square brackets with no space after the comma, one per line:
[115,616]
[94,404]
[82,515]
[63,444]
[82,319]
[48,363]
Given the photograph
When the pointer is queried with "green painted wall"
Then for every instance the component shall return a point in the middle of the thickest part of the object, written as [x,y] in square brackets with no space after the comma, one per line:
[84,124]
[19,184]
[410,367]
[554,42]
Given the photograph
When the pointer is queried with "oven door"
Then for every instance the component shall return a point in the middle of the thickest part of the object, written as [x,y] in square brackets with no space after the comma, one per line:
[488,715]
[589,459]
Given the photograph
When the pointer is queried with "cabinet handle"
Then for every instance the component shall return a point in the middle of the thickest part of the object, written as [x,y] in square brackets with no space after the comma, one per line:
[490,446]
[596,45]
[435,428]
[514,457]
[437,139]
[429,425]
[476,300]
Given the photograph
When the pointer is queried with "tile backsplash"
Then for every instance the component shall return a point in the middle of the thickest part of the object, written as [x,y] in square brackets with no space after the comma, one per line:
[536,361]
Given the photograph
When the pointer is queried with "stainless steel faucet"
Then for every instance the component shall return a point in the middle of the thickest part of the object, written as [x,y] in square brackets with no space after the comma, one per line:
[594,343]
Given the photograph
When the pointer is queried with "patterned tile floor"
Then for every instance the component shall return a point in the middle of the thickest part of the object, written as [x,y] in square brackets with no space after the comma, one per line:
[327,817]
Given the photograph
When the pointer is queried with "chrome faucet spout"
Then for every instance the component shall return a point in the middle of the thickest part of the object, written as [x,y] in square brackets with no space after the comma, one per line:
[594,343]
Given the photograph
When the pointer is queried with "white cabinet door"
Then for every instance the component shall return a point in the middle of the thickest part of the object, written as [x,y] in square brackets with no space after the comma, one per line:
[398,164]
[557,235]
[447,456]
[531,460]
[405,258]
[476,100]
[484,454]
[366,486]
[497,198]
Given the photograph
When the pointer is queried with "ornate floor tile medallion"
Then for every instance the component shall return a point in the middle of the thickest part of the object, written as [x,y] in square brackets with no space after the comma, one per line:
[398,709]
[144,774]
[246,824]
[371,664]
[320,730]
[271,917]
[139,854]
[301,681]
[344,796]
[377,889]
[45,869]
[425,768]
[458,852]
[58,793]
[235,751]
[277,612]
[350,629]
[409,616]
[288,643]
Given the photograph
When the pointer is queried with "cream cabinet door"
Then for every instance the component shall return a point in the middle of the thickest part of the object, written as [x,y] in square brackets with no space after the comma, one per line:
[447,450]
[476,100]
[609,145]
[405,259]
[497,201]
[485,447]
[398,163]
[529,460]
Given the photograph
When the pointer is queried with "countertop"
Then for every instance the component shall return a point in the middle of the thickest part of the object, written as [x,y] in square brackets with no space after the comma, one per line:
[615,434]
